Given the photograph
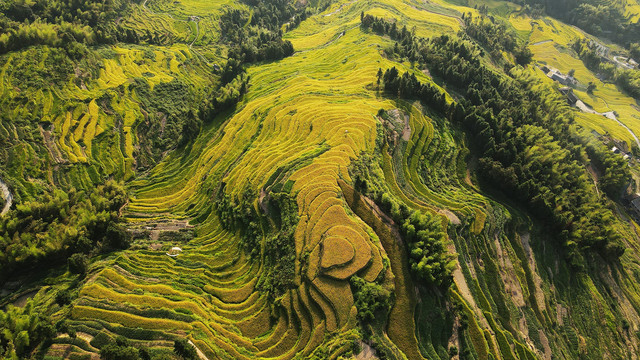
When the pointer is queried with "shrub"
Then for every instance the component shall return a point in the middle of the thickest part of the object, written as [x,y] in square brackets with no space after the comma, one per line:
[100,340]
[77,264]
[115,352]
[63,297]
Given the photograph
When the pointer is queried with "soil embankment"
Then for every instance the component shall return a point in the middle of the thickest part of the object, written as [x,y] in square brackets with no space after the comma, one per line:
[8,198]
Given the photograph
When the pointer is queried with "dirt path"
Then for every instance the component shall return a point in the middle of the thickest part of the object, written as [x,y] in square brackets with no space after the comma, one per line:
[541,42]
[622,64]
[201,355]
[625,126]
[8,198]
[197,33]
[594,177]
[22,300]
[50,143]
[537,280]
[367,352]
[339,9]
[156,226]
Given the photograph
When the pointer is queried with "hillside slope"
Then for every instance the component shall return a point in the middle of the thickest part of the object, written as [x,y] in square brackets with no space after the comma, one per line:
[407,180]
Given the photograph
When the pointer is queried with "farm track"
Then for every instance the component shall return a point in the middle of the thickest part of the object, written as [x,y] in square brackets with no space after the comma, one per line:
[201,355]
[8,198]
[541,42]
[609,115]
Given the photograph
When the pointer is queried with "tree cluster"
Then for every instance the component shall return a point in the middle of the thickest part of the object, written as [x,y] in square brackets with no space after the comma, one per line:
[170,120]
[371,299]
[382,26]
[426,242]
[24,330]
[239,214]
[428,256]
[184,350]
[122,349]
[278,254]
[634,50]
[262,39]
[615,174]
[429,259]
[497,37]
[279,249]
[41,233]
[59,23]
[407,86]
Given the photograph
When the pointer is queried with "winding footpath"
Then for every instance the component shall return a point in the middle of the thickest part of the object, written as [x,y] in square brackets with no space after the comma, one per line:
[8,198]
[626,127]
[609,115]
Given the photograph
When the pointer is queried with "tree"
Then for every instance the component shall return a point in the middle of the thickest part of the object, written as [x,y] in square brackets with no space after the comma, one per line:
[21,342]
[523,55]
[572,72]
[591,87]
[63,297]
[634,51]
[77,264]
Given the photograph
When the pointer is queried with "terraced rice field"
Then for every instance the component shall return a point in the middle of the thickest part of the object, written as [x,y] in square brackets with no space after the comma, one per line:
[308,106]
[303,122]
[633,10]
[90,121]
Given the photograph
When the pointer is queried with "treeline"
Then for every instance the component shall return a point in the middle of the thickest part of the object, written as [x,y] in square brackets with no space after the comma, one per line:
[497,37]
[627,79]
[48,231]
[523,138]
[262,40]
[600,18]
[59,23]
